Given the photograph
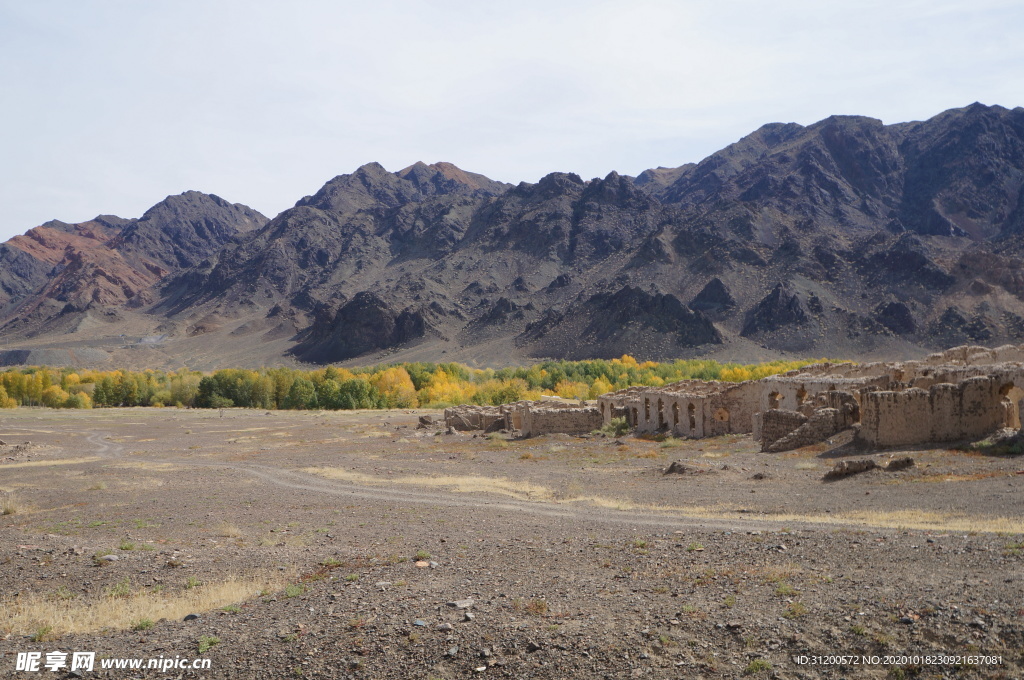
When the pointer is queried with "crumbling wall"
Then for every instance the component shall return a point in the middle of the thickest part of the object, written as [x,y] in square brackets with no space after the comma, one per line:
[538,420]
[467,417]
[776,423]
[945,412]
[824,423]
[620,403]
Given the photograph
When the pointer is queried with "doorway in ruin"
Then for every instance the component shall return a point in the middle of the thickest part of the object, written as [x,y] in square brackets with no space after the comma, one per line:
[661,414]
[691,414]
[675,415]
[774,400]
[647,410]
[801,396]
[636,416]
[1011,396]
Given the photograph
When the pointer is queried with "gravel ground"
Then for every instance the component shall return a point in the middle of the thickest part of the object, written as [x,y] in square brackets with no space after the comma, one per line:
[388,551]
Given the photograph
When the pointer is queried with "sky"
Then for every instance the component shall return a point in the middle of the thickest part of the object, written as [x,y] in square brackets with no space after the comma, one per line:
[108,106]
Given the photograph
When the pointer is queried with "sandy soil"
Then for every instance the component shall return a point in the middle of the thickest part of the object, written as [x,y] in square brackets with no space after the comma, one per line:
[348,544]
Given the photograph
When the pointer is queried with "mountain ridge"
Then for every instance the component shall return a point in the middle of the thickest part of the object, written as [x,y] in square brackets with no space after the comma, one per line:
[847,237]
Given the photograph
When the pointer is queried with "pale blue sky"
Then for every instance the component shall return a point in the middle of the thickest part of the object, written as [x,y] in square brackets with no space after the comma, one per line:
[108,106]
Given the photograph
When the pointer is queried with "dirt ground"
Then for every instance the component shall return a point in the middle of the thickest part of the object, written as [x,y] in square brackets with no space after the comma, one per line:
[354,545]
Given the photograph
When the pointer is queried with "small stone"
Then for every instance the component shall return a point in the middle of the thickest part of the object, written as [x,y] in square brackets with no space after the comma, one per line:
[445,626]
[110,558]
[382,584]
[461,604]
[480,669]
[906,619]
[419,622]
[422,564]
[468,616]
[433,565]
[734,625]
[452,651]
[191,617]
[485,653]
[532,646]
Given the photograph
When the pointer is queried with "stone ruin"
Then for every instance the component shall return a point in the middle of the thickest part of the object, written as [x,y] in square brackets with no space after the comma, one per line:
[547,415]
[962,393]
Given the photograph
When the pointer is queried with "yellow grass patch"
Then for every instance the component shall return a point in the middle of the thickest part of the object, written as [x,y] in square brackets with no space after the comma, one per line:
[155,467]
[526,491]
[47,463]
[910,519]
[950,477]
[30,612]
[462,484]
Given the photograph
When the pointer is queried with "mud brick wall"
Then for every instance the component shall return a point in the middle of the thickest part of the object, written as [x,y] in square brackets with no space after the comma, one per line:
[776,423]
[543,420]
[824,423]
[471,417]
[944,412]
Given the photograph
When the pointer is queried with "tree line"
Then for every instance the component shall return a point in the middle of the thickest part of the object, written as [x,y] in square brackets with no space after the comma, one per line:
[405,385]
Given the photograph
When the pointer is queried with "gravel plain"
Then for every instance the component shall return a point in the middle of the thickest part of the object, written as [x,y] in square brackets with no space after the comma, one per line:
[356,545]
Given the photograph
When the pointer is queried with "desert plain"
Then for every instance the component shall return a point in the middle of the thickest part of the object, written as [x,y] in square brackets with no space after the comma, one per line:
[356,544]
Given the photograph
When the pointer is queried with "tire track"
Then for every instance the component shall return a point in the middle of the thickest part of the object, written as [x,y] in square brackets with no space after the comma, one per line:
[303,481]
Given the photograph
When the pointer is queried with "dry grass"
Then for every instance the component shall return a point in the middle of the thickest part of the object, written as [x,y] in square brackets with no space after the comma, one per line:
[47,463]
[35,611]
[526,491]
[911,519]
[229,530]
[950,477]
[10,504]
[459,483]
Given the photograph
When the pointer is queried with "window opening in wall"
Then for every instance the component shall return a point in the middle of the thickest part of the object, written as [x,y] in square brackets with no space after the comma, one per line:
[647,410]
[661,414]
[636,417]
[801,396]
[691,413]
[675,414]
[774,400]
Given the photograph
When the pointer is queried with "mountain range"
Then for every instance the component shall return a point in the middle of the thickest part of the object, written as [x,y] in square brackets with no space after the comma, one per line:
[847,238]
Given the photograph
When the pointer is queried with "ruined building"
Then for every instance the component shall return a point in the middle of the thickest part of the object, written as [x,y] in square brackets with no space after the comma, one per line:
[962,393]
[527,418]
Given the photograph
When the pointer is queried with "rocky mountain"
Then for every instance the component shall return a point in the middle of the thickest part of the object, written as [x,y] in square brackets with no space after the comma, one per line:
[845,238]
[57,273]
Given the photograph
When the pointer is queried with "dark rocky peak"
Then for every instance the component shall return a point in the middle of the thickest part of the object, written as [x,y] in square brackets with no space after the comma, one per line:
[656,179]
[112,221]
[446,178]
[181,231]
[714,298]
[783,306]
[371,186]
[712,173]
[615,190]
[965,173]
[366,323]
[553,185]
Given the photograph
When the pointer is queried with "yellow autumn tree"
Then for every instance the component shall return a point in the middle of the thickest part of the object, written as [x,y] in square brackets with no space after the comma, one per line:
[444,390]
[598,387]
[569,389]
[396,387]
